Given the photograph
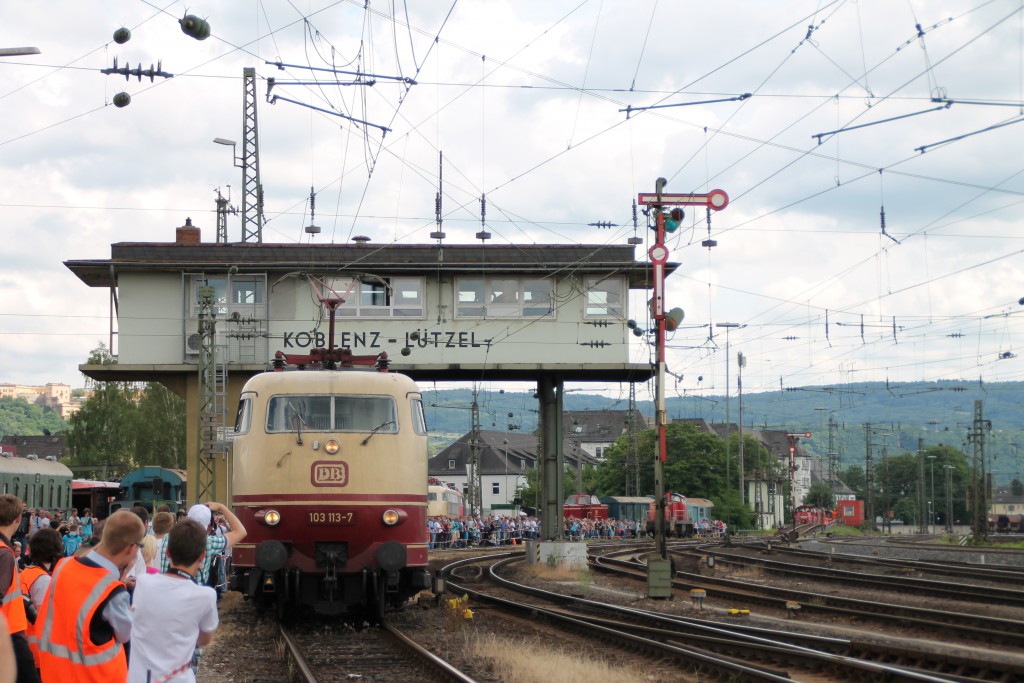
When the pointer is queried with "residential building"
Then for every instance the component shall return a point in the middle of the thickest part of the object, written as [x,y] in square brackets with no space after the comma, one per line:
[594,431]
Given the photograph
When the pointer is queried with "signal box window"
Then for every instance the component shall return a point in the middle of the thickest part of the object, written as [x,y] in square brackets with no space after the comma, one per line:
[603,298]
[505,293]
[537,298]
[451,464]
[397,297]
[504,297]
[372,294]
[406,297]
[470,298]
[241,295]
[220,295]
[496,487]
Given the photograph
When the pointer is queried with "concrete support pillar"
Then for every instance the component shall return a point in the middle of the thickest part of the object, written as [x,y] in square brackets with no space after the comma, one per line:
[552,488]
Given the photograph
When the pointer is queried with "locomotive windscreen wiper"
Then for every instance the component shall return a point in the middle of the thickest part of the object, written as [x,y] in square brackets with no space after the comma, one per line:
[298,423]
[382,425]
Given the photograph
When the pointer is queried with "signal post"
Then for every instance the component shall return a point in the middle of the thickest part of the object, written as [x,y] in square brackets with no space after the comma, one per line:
[668,216]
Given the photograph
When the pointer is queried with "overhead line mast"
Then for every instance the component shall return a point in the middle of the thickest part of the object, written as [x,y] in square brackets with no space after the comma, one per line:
[252,188]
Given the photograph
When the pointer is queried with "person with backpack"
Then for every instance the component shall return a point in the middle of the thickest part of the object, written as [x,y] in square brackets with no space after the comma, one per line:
[72,540]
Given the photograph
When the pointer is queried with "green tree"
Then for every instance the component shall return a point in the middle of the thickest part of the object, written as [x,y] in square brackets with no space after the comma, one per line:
[853,477]
[905,510]
[1017,487]
[101,435]
[18,416]
[820,495]
[160,428]
[124,425]
[695,466]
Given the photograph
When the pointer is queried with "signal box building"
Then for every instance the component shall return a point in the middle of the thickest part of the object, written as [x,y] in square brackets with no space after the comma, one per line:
[541,313]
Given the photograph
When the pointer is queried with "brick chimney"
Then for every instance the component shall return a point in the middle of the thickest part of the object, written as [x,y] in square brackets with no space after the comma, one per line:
[187,234]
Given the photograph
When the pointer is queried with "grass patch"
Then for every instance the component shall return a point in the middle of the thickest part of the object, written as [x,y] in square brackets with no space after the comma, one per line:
[536,662]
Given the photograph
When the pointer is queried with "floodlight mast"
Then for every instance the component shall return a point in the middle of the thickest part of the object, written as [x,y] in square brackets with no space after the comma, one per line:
[717,200]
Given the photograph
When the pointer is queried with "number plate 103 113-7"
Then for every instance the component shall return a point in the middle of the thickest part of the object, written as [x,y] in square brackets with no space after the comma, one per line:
[331,517]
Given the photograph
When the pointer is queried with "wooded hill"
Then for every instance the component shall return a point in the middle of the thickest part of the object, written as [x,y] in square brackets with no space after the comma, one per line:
[898,414]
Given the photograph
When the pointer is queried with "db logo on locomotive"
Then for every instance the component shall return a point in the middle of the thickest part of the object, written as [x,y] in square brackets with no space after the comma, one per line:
[330,473]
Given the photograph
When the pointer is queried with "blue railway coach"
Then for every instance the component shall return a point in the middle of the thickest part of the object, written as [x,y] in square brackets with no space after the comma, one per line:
[627,508]
[152,487]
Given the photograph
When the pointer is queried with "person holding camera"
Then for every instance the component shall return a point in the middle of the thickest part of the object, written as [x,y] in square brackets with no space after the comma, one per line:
[216,544]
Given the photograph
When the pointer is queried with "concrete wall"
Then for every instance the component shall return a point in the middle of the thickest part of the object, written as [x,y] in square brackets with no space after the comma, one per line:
[150,318]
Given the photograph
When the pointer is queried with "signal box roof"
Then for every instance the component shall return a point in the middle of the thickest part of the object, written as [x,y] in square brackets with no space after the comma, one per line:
[541,259]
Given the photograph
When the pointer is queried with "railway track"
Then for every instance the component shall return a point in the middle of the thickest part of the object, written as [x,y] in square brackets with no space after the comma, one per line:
[377,654]
[966,570]
[959,591]
[944,662]
[946,623]
[716,650]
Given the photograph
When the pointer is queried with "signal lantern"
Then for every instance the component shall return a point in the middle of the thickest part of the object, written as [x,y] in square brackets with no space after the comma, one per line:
[194,27]
[673,318]
[673,219]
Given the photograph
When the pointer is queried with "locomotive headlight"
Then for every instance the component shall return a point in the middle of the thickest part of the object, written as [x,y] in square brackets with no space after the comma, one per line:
[270,517]
[332,446]
[390,517]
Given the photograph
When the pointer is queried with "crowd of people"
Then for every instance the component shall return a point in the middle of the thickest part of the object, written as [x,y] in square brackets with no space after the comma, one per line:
[473,531]
[126,598]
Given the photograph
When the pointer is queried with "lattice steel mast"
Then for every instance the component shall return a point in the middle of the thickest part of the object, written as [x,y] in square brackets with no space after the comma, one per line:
[252,188]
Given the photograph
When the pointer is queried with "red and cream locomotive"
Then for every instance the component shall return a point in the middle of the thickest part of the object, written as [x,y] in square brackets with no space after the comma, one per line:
[329,472]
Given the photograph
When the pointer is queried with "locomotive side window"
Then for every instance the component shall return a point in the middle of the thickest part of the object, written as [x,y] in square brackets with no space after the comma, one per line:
[419,421]
[244,416]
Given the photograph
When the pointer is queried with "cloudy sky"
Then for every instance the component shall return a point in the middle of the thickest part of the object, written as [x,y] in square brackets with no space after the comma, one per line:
[525,102]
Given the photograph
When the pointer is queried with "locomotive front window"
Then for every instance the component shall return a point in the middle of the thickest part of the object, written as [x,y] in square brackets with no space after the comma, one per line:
[365,414]
[332,414]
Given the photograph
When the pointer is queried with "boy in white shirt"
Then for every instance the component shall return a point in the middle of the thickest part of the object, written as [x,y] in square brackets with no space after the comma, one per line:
[173,615]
